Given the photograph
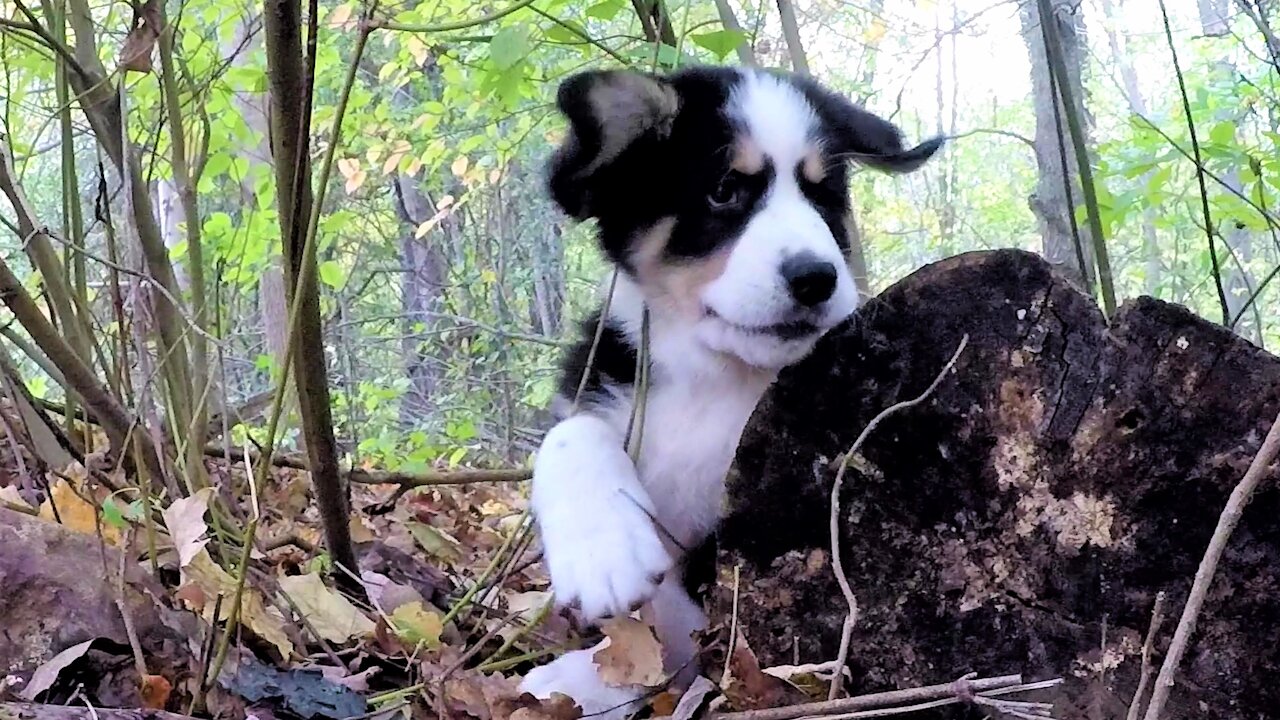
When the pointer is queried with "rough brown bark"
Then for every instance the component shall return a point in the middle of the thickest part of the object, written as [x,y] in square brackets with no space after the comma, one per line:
[1064,475]
[283,31]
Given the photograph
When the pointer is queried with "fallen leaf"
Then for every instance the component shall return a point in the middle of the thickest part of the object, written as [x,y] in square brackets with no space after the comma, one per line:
[332,616]
[556,707]
[693,698]
[387,595]
[184,518]
[155,691]
[630,654]
[47,674]
[487,697]
[359,682]
[75,513]
[360,530]
[747,687]
[414,624]
[266,622]
[437,543]
[9,494]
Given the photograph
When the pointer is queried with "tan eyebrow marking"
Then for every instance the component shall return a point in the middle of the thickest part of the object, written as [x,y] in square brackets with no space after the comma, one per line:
[748,158]
[813,166]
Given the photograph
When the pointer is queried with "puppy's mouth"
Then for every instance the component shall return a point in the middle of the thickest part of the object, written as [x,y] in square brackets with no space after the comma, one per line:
[786,331]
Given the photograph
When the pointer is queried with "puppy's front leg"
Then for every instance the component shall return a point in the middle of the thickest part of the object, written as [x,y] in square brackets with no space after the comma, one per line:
[601,547]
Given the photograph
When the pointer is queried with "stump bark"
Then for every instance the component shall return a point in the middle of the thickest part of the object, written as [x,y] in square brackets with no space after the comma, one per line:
[1024,518]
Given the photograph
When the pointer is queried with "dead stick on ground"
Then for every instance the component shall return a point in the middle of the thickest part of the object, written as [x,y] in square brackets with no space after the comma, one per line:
[1227,521]
[462,476]
[878,700]
[851,620]
[1148,648]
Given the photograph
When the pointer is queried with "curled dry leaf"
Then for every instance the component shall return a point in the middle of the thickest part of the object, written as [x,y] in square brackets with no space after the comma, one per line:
[75,513]
[212,581]
[693,698]
[630,654]
[333,616]
[135,53]
[47,674]
[155,691]
[184,518]
[747,687]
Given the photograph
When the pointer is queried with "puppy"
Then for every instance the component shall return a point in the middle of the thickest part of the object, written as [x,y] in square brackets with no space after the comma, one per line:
[720,196]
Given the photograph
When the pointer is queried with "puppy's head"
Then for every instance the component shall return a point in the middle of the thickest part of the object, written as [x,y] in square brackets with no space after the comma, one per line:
[722,192]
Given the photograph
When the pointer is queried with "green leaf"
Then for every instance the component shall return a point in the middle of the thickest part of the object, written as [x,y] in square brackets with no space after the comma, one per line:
[1224,133]
[606,10]
[720,42]
[112,514]
[509,46]
[332,274]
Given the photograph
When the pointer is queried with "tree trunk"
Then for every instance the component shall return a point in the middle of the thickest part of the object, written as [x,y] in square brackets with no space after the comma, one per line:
[1064,473]
[1057,190]
[282,26]
[1138,105]
[422,293]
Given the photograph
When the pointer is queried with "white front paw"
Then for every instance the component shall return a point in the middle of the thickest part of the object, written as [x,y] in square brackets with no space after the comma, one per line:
[601,547]
[606,560]
[575,674]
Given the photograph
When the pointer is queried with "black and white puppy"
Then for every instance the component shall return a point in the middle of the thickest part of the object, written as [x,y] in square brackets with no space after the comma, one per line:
[720,195]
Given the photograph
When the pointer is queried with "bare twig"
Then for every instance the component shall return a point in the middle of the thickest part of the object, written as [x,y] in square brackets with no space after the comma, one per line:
[837,565]
[952,692]
[1204,190]
[1258,470]
[1148,647]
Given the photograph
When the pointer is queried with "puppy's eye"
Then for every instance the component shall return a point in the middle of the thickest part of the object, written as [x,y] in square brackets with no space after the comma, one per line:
[728,193]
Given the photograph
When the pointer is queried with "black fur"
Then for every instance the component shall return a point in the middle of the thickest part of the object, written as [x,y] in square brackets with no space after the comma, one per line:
[615,363]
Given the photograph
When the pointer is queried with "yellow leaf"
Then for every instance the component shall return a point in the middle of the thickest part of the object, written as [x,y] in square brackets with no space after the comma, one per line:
[355,181]
[494,176]
[340,16]
[488,276]
[392,162]
[417,49]
[348,167]
[445,203]
[332,616]
[212,581]
[874,32]
[414,167]
[417,625]
[630,654]
[436,542]
[184,518]
[459,166]
[75,513]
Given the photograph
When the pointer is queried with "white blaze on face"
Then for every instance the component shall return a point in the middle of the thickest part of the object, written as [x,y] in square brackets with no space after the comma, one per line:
[751,291]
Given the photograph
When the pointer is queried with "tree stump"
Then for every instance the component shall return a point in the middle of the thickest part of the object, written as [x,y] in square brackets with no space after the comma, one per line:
[1025,517]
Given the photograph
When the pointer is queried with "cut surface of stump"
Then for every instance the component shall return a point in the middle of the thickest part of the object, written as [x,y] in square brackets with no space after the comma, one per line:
[1025,517]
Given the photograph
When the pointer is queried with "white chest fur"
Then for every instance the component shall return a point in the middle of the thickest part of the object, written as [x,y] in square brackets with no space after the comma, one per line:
[692,426]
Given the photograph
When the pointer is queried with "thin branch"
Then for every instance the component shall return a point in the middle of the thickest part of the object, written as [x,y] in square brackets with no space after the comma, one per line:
[1258,471]
[952,691]
[1148,649]
[1204,190]
[451,26]
[730,22]
[837,564]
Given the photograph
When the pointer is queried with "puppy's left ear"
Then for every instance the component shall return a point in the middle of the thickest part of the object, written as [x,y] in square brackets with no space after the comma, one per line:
[608,111]
[869,139]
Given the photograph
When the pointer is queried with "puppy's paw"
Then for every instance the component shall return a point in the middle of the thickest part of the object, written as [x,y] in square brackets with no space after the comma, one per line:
[575,674]
[607,560]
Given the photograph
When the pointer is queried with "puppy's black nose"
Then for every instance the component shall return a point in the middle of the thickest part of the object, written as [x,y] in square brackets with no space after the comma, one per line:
[810,279]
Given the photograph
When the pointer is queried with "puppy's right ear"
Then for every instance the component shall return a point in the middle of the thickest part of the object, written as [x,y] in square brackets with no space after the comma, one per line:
[607,110]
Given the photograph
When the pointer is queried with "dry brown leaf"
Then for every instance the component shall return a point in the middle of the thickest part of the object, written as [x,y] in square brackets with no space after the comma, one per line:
[184,518]
[630,655]
[360,531]
[75,513]
[332,616]
[212,580]
[47,674]
[155,691]
[135,53]
[9,494]
[556,707]
[747,687]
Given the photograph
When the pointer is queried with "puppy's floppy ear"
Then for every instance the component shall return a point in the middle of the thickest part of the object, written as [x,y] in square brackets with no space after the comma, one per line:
[868,139]
[607,111]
